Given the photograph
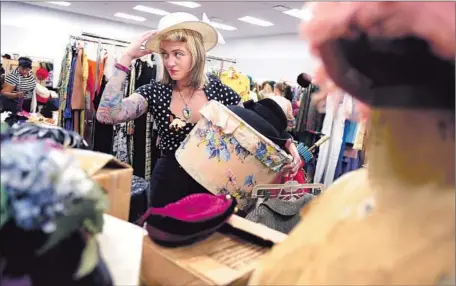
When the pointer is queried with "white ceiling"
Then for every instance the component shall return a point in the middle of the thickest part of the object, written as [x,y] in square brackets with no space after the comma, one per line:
[228,11]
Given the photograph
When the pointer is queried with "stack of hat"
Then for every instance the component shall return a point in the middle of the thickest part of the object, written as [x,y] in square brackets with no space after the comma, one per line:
[188,220]
[266,117]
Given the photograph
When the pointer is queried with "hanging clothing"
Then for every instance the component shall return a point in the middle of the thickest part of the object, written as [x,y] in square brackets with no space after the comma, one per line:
[338,108]
[358,143]
[103,136]
[239,82]
[67,114]
[350,131]
[308,116]
[79,83]
[143,145]
[63,82]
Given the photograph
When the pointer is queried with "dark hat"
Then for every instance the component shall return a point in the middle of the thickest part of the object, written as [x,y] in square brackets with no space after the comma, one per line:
[25,62]
[303,80]
[189,219]
[266,117]
[401,72]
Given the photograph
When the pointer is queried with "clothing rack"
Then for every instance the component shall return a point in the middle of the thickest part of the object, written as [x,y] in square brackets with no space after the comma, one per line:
[104,38]
[228,60]
[99,41]
[222,61]
[96,40]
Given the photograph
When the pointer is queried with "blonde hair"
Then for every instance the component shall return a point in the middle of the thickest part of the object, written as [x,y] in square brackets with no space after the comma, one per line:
[195,45]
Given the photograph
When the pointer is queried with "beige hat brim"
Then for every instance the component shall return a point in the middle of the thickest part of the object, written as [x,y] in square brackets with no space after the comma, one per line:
[209,34]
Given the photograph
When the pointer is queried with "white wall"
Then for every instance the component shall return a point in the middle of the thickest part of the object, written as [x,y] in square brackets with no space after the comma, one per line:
[39,32]
[269,58]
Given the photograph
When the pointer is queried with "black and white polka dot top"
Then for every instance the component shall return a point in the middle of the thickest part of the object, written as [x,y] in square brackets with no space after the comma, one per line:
[158,97]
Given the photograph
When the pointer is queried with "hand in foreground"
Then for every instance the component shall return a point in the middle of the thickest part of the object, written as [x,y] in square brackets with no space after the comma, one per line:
[20,94]
[431,21]
[292,169]
[135,49]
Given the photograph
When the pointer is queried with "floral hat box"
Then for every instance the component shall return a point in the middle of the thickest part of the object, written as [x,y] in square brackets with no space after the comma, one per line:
[227,156]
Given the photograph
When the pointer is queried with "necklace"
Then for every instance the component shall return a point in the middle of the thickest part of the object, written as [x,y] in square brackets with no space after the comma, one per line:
[186,112]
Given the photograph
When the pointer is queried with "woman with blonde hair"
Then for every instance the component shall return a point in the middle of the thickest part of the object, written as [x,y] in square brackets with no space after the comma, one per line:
[182,40]
[283,96]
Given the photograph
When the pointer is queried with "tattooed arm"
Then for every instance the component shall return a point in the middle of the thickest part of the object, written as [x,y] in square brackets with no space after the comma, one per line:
[113,109]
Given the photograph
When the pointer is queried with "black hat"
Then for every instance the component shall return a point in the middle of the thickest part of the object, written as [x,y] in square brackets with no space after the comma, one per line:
[188,220]
[303,80]
[266,117]
[401,72]
[25,62]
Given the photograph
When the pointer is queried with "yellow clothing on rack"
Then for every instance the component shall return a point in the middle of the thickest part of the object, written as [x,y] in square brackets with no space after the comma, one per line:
[238,82]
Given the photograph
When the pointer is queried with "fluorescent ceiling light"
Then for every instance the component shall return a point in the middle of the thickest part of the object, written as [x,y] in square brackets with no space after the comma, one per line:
[256,21]
[65,4]
[223,26]
[150,10]
[187,4]
[130,17]
[304,14]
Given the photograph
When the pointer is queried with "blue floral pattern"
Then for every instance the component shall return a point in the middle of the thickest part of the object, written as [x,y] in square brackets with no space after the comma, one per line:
[241,193]
[220,145]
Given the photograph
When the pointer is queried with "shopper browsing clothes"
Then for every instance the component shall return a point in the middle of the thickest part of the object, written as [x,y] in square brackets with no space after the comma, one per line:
[283,97]
[182,40]
[18,87]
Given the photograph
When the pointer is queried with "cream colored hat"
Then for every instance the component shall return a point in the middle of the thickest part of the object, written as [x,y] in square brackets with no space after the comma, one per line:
[181,20]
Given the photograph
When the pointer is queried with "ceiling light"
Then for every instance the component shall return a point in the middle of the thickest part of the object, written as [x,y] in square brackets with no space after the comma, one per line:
[220,20]
[65,4]
[150,10]
[130,17]
[223,26]
[187,4]
[281,8]
[256,21]
[304,14]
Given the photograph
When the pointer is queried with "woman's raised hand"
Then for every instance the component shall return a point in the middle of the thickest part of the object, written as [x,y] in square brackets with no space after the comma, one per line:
[135,50]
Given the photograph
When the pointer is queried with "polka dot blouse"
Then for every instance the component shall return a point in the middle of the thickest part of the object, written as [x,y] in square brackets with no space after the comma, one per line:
[158,97]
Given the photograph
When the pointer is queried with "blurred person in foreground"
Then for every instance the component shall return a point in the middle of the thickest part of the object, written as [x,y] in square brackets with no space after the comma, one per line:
[326,238]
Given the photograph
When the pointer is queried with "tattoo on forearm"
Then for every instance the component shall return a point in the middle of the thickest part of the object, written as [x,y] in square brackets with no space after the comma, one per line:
[113,108]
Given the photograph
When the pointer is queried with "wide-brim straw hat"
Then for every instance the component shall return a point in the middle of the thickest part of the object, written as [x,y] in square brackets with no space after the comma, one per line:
[181,20]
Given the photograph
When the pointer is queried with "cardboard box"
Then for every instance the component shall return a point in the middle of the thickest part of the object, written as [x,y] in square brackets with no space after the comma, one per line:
[121,247]
[227,257]
[113,175]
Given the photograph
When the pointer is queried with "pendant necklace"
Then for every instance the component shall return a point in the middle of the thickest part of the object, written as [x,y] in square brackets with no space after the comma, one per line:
[186,112]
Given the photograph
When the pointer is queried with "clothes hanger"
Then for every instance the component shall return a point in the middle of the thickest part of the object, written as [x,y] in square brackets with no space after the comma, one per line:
[291,187]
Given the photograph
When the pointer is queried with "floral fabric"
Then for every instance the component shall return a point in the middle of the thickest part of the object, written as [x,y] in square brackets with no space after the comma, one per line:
[47,190]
